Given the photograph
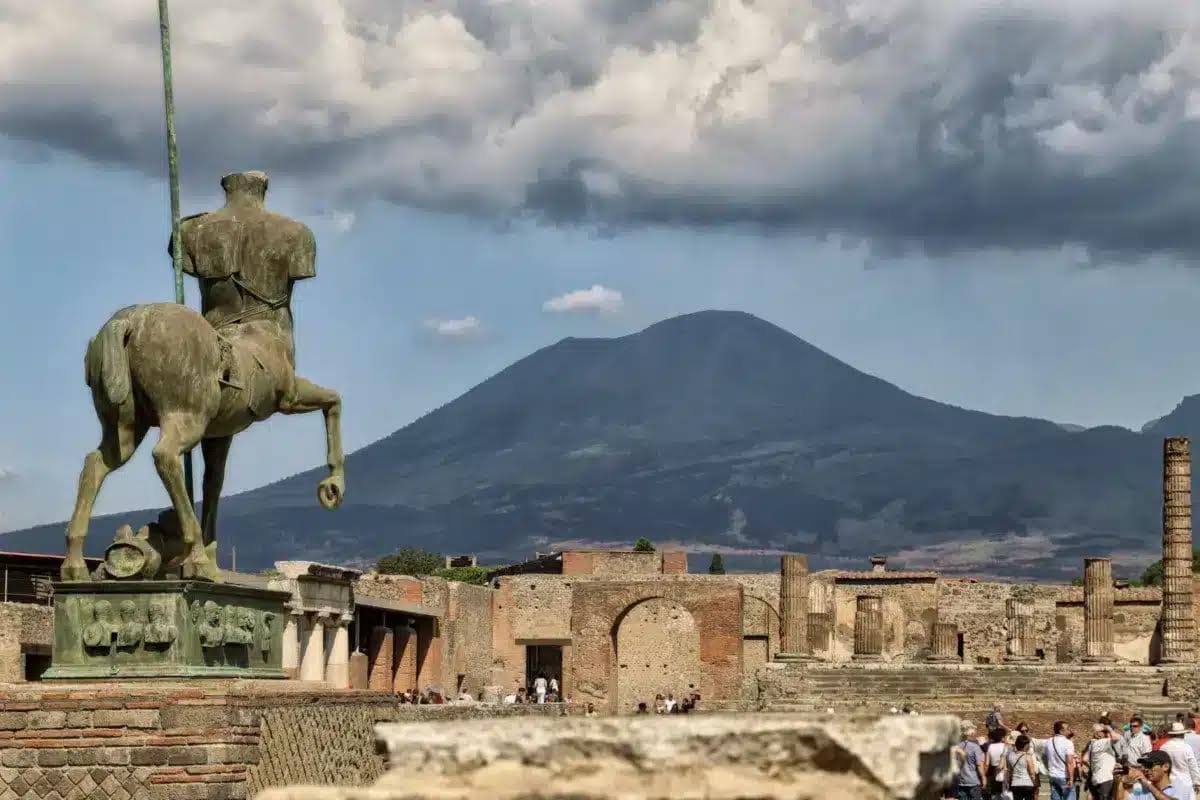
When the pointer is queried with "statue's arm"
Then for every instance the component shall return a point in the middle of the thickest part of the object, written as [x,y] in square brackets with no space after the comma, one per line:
[189,265]
[303,261]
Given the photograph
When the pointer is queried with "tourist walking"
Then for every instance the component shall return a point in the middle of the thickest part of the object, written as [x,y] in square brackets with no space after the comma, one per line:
[995,764]
[1023,772]
[1185,772]
[995,719]
[1100,759]
[1061,763]
[970,778]
[539,688]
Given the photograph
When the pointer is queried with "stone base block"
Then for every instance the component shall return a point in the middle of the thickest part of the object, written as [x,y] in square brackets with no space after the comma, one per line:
[794,657]
[866,658]
[166,629]
[1022,660]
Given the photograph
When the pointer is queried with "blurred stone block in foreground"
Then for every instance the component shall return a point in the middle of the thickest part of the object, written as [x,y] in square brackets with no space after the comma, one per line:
[716,757]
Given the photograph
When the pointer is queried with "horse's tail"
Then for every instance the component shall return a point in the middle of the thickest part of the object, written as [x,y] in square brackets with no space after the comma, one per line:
[107,363]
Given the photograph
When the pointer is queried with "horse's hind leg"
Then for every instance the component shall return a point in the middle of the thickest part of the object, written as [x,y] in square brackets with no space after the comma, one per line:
[116,447]
[216,453]
[180,433]
[308,397]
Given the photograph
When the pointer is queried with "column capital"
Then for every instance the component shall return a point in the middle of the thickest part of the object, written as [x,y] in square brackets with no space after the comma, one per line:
[325,614]
[294,610]
[345,619]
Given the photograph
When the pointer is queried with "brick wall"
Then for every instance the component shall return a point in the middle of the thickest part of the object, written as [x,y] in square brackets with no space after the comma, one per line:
[154,741]
[599,607]
[22,625]
[468,637]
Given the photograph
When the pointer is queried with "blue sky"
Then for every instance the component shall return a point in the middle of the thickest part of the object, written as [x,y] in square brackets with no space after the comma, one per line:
[1061,284]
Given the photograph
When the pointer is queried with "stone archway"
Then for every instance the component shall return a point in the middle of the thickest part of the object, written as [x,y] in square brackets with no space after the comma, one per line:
[657,648]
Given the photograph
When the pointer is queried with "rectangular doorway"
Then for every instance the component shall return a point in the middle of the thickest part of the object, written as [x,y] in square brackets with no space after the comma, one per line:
[545,660]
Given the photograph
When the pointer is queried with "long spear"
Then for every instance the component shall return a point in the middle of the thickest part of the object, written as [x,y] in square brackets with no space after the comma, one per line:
[164,30]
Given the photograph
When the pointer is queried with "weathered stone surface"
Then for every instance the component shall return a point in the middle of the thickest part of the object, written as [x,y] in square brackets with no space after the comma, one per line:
[1178,613]
[718,756]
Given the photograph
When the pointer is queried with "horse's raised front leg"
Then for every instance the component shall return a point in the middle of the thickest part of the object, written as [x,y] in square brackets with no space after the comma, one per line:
[180,433]
[307,397]
[216,452]
[116,447]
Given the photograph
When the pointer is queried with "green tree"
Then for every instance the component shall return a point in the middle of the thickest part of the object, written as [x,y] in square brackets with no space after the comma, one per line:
[411,561]
[1153,574]
[717,565]
[477,576]
[643,545]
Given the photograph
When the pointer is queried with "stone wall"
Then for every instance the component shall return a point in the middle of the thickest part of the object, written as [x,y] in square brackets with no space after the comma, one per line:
[468,637]
[978,609]
[909,611]
[721,757]
[23,626]
[199,741]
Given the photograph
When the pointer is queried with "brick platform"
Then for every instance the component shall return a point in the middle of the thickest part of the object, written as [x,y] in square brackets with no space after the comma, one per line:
[204,740]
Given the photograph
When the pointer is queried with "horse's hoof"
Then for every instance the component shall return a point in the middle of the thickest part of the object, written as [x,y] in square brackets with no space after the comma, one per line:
[74,571]
[330,492]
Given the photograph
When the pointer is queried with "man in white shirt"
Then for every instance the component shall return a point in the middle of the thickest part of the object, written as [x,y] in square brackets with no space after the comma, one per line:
[1190,737]
[1185,770]
[1061,763]
[1136,743]
[539,688]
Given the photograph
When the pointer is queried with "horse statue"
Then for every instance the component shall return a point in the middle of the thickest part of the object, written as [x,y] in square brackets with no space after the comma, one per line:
[202,378]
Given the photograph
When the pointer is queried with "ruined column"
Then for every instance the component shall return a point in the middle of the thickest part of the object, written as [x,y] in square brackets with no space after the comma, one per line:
[312,664]
[793,607]
[380,655]
[1097,610]
[820,620]
[337,665]
[945,642]
[405,658]
[1178,626]
[1021,639]
[868,628]
[290,654]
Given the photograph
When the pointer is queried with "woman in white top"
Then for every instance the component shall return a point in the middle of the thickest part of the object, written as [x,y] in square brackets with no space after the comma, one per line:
[995,764]
[1023,773]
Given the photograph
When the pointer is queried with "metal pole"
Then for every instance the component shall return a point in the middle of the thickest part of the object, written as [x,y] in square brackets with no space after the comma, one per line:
[164,30]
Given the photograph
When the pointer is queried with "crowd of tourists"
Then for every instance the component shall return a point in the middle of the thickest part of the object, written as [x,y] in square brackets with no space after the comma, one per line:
[1116,760]
[668,704]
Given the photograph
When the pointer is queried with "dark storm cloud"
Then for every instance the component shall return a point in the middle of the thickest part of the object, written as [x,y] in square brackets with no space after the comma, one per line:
[926,124]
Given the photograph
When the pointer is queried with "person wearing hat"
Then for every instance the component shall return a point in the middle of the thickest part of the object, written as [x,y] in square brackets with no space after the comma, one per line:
[1150,778]
[1185,772]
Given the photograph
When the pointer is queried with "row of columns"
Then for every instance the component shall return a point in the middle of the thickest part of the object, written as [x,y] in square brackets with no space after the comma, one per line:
[393,658]
[305,655]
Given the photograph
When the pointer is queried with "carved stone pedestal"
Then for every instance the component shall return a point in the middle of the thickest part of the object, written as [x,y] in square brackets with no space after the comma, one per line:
[166,629]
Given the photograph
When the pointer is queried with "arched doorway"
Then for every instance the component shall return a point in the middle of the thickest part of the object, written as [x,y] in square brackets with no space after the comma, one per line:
[657,648]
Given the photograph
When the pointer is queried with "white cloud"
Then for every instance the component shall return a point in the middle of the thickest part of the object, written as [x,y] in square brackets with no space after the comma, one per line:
[975,123]
[597,299]
[342,221]
[468,327]
[7,472]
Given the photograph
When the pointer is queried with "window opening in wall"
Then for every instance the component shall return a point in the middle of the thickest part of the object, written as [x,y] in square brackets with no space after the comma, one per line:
[543,660]
[36,663]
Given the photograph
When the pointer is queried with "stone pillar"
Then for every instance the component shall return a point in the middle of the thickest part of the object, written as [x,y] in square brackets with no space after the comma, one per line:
[793,607]
[820,620]
[312,664]
[360,670]
[1021,640]
[868,628]
[1178,625]
[380,655]
[291,642]
[1097,610]
[405,658]
[337,664]
[945,642]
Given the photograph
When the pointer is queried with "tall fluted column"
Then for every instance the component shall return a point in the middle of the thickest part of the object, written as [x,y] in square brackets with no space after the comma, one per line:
[1097,610]
[793,607]
[380,653]
[1178,625]
[312,664]
[820,620]
[290,654]
[337,664]
[1021,639]
[868,628]
[945,642]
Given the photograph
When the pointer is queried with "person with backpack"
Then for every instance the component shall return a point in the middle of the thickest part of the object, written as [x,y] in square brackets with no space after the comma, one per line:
[994,720]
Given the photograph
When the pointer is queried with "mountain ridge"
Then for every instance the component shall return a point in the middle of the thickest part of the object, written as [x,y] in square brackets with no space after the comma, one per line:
[716,428]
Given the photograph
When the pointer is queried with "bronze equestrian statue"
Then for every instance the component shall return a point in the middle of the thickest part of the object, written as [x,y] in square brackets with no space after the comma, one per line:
[202,378]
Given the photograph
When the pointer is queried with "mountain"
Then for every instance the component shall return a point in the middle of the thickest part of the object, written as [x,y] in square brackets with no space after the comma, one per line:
[717,430]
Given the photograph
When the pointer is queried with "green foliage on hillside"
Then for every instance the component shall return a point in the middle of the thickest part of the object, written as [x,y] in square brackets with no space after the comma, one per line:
[411,561]
[643,545]
[717,565]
